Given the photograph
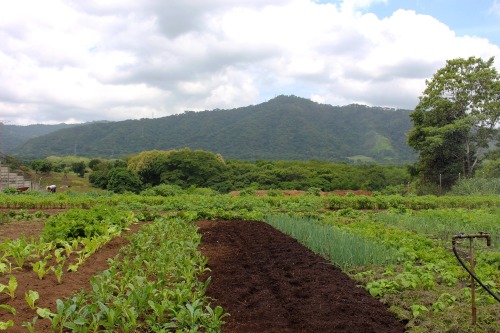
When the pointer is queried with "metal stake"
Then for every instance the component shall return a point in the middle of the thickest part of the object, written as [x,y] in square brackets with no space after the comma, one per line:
[472,282]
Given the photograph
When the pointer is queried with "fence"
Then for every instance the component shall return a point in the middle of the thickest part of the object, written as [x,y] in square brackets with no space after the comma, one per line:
[10,178]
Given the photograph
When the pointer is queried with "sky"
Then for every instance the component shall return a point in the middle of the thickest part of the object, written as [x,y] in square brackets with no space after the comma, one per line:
[76,61]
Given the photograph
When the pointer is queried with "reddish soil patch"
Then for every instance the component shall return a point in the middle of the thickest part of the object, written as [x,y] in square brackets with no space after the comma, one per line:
[269,283]
[48,288]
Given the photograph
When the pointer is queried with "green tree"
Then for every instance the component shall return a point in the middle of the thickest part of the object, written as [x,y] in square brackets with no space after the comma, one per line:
[99,179]
[149,165]
[122,180]
[186,168]
[98,164]
[456,119]
[79,168]
[42,166]
[183,167]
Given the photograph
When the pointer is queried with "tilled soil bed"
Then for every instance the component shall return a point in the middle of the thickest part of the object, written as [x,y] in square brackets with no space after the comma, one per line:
[269,283]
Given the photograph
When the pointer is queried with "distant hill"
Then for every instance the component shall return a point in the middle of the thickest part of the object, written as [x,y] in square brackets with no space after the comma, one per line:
[12,136]
[284,128]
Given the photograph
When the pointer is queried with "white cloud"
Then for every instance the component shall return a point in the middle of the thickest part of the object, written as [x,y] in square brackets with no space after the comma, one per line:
[353,6]
[82,61]
[495,8]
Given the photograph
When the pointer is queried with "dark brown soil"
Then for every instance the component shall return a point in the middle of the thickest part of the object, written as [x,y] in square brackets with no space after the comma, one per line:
[269,283]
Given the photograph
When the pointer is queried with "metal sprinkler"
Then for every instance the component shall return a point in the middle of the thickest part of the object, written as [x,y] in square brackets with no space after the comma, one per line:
[472,262]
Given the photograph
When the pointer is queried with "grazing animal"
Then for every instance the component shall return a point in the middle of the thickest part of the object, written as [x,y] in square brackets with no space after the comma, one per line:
[51,188]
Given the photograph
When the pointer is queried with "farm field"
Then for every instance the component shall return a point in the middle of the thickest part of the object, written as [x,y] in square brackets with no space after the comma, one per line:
[49,289]
[395,254]
[272,284]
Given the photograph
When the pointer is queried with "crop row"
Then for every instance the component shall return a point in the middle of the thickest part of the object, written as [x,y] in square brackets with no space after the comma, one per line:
[154,285]
[249,202]
[66,242]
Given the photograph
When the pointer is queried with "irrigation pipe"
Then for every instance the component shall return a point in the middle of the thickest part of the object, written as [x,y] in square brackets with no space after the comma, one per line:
[488,240]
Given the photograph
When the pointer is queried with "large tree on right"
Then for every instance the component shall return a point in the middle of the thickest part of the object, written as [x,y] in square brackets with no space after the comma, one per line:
[456,119]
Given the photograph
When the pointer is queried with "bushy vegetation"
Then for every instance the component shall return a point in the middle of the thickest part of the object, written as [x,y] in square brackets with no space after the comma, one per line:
[186,169]
[77,223]
[476,186]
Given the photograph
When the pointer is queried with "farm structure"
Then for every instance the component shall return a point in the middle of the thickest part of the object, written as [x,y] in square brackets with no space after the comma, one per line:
[13,178]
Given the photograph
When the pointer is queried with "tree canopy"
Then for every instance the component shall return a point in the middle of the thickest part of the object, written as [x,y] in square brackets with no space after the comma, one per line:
[180,167]
[456,119]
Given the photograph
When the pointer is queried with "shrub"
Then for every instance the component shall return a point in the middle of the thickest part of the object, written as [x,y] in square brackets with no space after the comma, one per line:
[9,190]
[275,193]
[476,186]
[164,190]
[314,191]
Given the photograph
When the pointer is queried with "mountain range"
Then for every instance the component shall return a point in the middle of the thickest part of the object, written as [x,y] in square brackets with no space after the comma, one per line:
[283,128]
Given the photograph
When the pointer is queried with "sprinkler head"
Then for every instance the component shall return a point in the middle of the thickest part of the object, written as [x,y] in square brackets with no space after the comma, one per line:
[487,236]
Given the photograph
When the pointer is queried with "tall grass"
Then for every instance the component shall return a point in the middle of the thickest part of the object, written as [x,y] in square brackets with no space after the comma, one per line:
[444,223]
[476,186]
[343,249]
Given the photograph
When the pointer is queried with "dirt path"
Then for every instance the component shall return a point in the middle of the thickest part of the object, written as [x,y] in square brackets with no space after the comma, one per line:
[269,283]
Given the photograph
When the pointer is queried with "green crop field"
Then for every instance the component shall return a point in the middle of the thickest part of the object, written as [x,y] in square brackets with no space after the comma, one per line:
[397,248]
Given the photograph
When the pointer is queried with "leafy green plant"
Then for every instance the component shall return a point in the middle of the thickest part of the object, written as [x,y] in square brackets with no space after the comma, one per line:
[40,267]
[9,308]
[69,246]
[4,268]
[31,297]
[81,223]
[417,310]
[58,271]
[444,301]
[314,191]
[9,288]
[30,326]
[6,324]
[381,287]
[20,249]
[60,257]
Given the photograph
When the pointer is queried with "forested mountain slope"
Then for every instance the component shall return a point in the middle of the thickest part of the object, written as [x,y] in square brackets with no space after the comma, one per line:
[12,136]
[284,128]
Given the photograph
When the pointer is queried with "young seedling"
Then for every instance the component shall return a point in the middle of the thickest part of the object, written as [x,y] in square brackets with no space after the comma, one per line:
[58,271]
[30,326]
[10,288]
[9,308]
[3,268]
[72,268]
[20,249]
[6,324]
[42,248]
[59,255]
[31,297]
[40,267]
